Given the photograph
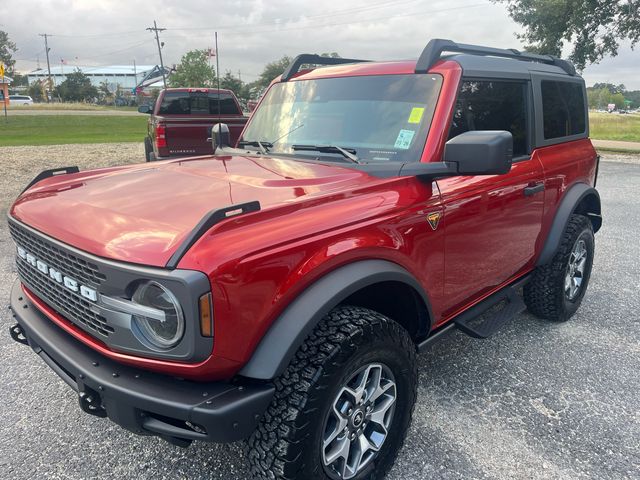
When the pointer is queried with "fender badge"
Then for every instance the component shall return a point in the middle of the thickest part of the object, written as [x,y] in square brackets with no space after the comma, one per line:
[434,218]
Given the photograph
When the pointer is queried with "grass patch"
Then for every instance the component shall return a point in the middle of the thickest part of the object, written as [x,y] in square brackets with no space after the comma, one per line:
[68,106]
[64,129]
[618,150]
[609,126]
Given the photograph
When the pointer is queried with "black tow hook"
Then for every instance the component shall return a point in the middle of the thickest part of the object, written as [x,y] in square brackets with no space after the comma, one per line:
[17,333]
[90,403]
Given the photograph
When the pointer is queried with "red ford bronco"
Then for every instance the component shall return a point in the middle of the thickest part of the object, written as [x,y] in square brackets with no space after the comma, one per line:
[180,121]
[279,291]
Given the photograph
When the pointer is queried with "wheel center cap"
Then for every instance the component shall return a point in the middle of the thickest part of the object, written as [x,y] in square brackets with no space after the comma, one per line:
[357,419]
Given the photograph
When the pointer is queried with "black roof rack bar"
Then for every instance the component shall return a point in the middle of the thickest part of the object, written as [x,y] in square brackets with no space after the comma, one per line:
[434,49]
[208,221]
[313,59]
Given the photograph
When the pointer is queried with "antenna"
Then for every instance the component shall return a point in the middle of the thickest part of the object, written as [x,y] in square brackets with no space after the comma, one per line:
[218,78]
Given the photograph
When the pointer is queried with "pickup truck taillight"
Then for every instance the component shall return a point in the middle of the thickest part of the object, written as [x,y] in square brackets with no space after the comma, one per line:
[161,135]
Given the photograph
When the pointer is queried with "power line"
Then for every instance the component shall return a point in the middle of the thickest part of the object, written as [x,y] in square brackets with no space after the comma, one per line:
[156,30]
[94,35]
[242,29]
[346,11]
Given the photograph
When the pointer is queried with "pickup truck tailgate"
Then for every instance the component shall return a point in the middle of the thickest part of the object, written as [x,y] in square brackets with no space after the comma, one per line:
[188,134]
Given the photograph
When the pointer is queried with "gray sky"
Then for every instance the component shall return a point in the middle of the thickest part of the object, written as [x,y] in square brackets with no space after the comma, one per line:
[253,32]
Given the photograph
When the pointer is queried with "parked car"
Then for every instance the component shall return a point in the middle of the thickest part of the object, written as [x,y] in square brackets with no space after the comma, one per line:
[280,292]
[23,100]
[181,120]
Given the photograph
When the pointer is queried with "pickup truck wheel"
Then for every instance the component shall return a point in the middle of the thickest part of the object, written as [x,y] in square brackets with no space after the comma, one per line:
[148,150]
[342,407]
[557,288]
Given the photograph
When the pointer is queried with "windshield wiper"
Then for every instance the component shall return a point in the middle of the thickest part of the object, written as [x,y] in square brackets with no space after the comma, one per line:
[348,153]
[261,144]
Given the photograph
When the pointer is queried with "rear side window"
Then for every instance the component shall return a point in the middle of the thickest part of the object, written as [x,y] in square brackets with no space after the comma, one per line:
[493,105]
[562,109]
[197,103]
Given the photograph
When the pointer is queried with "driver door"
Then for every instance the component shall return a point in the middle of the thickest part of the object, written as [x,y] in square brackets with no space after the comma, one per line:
[492,221]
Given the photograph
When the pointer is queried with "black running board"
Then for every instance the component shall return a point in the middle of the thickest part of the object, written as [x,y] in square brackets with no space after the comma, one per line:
[471,323]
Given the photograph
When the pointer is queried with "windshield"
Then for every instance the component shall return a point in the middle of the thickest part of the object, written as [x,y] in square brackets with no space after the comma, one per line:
[381,118]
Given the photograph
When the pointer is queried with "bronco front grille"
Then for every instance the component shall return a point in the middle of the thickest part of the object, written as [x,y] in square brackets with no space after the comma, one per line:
[67,303]
[81,270]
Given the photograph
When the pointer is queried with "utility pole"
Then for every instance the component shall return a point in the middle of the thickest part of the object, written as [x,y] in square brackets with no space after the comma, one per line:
[135,79]
[46,49]
[157,30]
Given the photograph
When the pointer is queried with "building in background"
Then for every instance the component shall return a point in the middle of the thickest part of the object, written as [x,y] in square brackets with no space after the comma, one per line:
[122,76]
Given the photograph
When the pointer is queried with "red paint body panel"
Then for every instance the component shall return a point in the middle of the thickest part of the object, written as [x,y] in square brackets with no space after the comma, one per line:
[122,213]
[492,229]
[314,218]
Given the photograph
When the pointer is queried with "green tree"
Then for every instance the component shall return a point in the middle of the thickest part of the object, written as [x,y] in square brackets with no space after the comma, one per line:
[36,91]
[19,80]
[271,71]
[593,27]
[634,96]
[7,49]
[618,100]
[77,87]
[611,87]
[230,82]
[194,71]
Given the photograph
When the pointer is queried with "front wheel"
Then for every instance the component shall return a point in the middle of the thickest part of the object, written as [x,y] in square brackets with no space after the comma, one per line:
[557,288]
[342,407]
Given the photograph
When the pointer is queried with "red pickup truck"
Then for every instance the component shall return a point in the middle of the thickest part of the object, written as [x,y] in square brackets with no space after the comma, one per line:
[181,119]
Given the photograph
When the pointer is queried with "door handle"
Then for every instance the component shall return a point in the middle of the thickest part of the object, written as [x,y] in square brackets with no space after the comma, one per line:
[533,189]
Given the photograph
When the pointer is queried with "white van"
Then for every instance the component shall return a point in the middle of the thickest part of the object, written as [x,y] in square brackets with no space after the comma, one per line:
[20,100]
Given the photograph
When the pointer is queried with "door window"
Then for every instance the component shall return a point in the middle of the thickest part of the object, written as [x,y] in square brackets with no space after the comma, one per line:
[493,105]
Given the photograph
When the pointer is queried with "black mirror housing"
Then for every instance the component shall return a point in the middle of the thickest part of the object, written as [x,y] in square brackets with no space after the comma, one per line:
[144,109]
[481,152]
[220,136]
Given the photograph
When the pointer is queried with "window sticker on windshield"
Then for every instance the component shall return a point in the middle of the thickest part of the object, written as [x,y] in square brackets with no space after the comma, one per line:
[416,115]
[404,139]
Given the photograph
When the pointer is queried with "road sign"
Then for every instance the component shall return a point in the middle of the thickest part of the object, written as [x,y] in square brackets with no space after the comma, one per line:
[1,69]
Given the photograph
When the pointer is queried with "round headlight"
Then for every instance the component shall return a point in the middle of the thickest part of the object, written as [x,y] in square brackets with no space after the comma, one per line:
[163,326]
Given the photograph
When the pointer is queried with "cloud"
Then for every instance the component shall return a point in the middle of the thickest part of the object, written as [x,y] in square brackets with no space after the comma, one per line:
[254,32]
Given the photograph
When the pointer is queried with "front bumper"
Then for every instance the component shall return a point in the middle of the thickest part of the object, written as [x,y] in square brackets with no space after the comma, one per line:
[143,402]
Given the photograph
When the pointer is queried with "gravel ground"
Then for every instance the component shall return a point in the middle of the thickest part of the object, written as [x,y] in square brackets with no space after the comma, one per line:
[538,400]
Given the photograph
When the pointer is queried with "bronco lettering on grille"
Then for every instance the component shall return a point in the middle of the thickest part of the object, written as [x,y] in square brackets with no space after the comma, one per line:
[57,276]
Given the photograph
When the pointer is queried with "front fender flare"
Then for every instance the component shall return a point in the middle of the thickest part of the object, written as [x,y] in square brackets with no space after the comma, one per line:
[568,204]
[288,332]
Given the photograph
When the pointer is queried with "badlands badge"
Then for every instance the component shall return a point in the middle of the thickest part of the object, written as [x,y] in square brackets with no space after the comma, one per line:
[434,218]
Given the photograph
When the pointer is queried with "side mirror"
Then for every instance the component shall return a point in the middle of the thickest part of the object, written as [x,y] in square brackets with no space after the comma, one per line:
[481,152]
[145,109]
[220,136]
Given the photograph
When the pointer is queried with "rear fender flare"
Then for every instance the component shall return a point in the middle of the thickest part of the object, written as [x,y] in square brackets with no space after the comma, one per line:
[574,196]
[289,330]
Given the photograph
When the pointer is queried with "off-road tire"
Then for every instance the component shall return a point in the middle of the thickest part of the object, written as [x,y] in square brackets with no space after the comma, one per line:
[286,443]
[544,294]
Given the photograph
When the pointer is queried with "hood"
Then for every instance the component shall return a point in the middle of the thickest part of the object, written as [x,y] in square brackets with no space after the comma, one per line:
[142,213]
